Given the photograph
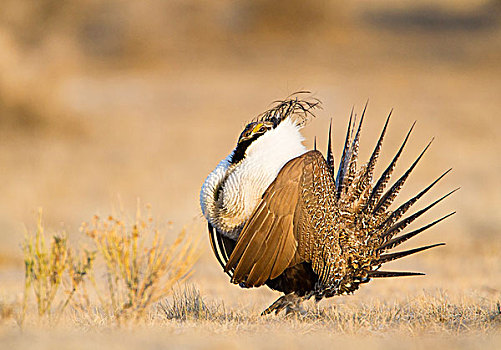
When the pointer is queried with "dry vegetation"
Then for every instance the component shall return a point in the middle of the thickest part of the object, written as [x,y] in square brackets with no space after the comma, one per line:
[426,312]
[138,269]
[141,99]
[47,267]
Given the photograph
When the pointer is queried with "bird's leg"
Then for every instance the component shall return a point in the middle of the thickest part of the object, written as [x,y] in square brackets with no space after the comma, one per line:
[296,307]
[291,302]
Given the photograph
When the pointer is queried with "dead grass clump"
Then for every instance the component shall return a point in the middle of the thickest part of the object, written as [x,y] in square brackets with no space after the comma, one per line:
[139,268]
[188,305]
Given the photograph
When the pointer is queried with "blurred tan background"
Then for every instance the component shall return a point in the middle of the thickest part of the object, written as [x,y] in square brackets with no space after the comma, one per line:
[105,99]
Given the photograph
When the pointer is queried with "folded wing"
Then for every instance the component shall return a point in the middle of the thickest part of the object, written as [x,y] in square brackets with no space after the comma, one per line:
[277,235]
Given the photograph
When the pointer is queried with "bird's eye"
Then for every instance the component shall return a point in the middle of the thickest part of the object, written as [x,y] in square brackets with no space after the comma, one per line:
[261,129]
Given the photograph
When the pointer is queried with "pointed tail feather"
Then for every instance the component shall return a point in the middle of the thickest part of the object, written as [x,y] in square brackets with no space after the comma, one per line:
[330,156]
[402,209]
[399,226]
[390,195]
[399,240]
[352,165]
[344,159]
[394,256]
[375,154]
[385,177]
[366,178]
[383,274]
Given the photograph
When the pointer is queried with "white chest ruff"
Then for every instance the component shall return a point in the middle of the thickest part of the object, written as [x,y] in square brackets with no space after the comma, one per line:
[231,192]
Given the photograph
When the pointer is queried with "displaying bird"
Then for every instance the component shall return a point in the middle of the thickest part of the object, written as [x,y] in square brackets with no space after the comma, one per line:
[280,215]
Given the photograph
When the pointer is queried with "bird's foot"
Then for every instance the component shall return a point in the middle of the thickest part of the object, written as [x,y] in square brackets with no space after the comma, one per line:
[291,302]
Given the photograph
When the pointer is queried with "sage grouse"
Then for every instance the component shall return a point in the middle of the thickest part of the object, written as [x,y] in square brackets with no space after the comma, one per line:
[280,215]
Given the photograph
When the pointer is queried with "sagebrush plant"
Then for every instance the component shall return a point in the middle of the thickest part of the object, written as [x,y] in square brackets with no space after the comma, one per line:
[50,268]
[139,268]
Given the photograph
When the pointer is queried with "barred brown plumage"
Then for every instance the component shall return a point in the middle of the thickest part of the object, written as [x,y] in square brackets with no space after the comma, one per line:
[310,233]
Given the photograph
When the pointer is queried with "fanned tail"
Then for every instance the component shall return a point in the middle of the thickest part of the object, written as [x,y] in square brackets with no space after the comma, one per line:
[370,228]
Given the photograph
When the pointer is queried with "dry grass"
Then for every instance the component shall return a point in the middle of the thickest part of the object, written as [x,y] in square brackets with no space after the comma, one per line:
[48,266]
[426,313]
[139,270]
[429,313]
[187,304]
[432,313]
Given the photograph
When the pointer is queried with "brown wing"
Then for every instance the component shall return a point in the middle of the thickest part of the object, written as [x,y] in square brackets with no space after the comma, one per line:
[277,234]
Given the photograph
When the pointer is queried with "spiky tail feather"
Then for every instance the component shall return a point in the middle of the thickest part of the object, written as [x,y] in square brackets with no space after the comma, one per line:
[375,226]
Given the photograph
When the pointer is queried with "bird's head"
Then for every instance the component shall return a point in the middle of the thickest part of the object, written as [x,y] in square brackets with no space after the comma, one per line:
[290,112]
[256,129]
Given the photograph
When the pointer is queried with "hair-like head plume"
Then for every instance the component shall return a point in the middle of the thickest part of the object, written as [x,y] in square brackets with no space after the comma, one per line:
[294,106]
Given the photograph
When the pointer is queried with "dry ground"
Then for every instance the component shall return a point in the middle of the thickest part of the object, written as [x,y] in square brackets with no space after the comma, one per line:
[81,132]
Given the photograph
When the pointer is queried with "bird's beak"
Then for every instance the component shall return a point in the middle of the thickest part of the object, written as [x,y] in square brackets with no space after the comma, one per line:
[242,139]
[255,129]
